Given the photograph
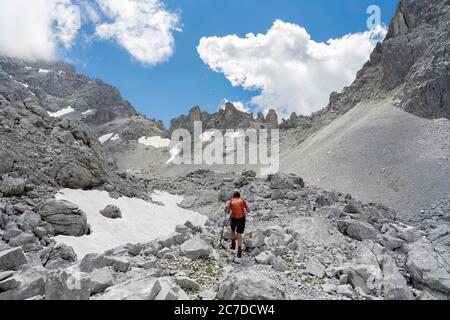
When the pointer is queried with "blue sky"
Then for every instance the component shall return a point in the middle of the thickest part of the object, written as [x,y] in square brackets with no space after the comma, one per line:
[171,88]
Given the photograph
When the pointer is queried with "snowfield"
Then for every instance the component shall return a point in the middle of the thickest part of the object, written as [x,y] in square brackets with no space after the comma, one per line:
[156,142]
[141,221]
[109,136]
[61,112]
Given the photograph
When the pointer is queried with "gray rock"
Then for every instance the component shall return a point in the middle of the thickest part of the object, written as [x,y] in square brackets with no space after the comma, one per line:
[12,259]
[64,217]
[30,219]
[358,230]
[345,290]
[73,175]
[26,240]
[316,268]
[394,284]
[183,229]
[278,264]
[9,284]
[250,286]
[352,207]
[11,233]
[284,181]
[264,258]
[6,274]
[101,279]
[62,285]
[187,283]
[32,281]
[60,256]
[145,288]
[12,186]
[429,266]
[196,248]
[225,194]
[111,212]
[173,239]
[392,243]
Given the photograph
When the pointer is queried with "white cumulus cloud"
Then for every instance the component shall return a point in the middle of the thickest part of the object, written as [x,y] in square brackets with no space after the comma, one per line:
[143,27]
[36,29]
[293,72]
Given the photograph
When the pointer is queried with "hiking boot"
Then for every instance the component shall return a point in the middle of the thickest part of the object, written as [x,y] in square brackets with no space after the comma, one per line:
[239,254]
[233,245]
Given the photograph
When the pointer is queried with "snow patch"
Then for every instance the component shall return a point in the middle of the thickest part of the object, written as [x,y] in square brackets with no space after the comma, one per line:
[156,142]
[87,112]
[25,85]
[206,136]
[28,68]
[61,112]
[174,152]
[141,221]
[115,137]
[105,137]
[43,70]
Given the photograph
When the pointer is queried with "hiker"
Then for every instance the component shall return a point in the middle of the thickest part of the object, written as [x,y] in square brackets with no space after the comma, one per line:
[238,207]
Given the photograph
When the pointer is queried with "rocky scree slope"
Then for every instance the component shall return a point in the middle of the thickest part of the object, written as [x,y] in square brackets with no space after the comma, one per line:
[302,243]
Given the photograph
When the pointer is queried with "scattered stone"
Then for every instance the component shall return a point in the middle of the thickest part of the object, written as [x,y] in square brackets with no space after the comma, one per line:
[250,286]
[111,212]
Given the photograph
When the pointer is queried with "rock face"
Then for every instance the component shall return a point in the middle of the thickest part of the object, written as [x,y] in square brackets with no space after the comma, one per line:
[64,217]
[12,187]
[407,60]
[111,212]
[250,286]
[228,118]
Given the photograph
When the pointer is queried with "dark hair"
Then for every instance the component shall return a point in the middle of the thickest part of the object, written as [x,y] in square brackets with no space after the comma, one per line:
[236,195]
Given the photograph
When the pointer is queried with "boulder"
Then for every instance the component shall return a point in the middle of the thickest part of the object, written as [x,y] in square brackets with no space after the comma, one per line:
[29,219]
[12,186]
[60,256]
[65,218]
[278,264]
[264,258]
[284,181]
[144,288]
[394,285]
[173,239]
[32,283]
[250,286]
[62,285]
[352,207]
[358,230]
[101,279]
[75,176]
[316,268]
[111,212]
[429,266]
[187,283]
[12,259]
[196,248]
[225,194]
[26,240]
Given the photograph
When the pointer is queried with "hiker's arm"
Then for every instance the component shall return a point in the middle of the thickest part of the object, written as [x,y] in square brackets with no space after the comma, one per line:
[228,208]
[247,207]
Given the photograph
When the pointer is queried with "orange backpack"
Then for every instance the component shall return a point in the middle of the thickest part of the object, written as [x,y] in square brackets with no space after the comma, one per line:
[237,207]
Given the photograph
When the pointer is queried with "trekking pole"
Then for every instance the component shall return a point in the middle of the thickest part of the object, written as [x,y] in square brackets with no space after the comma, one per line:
[223,230]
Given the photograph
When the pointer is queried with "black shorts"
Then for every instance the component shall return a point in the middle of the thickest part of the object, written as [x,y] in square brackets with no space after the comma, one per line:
[238,225]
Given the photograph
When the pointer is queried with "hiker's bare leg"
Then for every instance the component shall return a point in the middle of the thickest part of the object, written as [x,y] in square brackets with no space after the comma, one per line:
[240,240]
